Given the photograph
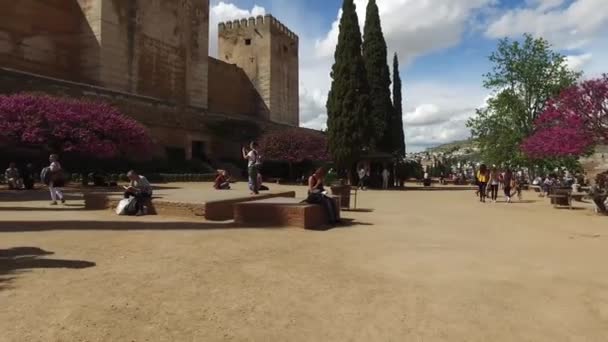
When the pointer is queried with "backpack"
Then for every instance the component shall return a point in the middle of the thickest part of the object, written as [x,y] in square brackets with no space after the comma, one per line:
[45,175]
[131,208]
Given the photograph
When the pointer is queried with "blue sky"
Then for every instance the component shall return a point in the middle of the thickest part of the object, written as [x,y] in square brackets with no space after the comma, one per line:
[443,47]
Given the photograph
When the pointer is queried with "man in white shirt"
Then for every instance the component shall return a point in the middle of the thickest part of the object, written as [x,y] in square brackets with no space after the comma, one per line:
[362,179]
[385,176]
[253,163]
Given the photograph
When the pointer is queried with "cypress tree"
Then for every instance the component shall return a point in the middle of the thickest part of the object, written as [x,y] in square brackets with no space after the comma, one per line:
[398,137]
[348,98]
[379,79]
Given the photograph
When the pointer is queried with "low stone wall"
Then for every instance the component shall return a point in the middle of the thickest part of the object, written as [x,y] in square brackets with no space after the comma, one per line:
[224,210]
[221,210]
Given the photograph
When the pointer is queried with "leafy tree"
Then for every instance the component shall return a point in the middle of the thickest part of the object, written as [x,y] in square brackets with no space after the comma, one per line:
[398,137]
[524,77]
[71,126]
[379,80]
[572,123]
[294,145]
[348,103]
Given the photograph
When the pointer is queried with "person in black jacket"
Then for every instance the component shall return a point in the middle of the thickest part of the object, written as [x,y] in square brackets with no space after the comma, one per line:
[28,177]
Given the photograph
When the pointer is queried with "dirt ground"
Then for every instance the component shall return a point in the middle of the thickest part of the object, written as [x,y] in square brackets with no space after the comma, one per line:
[412,266]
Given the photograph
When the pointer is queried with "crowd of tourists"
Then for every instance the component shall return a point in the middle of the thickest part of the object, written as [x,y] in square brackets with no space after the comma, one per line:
[491,180]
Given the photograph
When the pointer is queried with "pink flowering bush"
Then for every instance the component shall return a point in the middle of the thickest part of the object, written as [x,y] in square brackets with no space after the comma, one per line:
[572,123]
[71,126]
[294,146]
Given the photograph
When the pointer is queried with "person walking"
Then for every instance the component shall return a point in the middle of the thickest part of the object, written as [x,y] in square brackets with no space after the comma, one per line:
[507,184]
[482,182]
[385,176]
[253,163]
[494,181]
[361,173]
[56,180]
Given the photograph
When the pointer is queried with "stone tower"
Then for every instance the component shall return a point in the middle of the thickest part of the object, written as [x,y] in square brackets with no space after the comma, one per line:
[268,53]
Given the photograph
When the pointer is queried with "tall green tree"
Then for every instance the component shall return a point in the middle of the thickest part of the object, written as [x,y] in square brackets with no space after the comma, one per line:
[379,79]
[348,103]
[398,137]
[524,77]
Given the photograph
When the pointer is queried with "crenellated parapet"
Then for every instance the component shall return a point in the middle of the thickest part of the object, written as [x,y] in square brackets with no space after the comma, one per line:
[260,22]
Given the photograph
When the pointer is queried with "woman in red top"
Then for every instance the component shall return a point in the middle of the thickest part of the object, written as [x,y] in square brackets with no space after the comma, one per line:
[221,181]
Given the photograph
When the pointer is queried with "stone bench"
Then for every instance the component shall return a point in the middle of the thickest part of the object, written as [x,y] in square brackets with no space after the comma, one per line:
[561,199]
[282,212]
[223,210]
[104,201]
[220,210]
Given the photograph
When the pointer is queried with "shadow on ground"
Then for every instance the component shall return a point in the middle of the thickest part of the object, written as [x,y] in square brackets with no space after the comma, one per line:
[131,224]
[358,210]
[34,195]
[438,188]
[65,207]
[18,259]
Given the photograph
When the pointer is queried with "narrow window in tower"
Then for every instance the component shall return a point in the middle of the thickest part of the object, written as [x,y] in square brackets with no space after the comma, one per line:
[285,48]
[247,41]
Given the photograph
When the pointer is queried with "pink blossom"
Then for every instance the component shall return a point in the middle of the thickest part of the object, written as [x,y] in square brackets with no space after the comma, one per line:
[70,125]
[294,145]
[572,123]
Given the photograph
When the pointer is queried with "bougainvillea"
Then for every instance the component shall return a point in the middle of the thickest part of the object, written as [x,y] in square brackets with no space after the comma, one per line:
[70,126]
[572,123]
[294,146]
[558,134]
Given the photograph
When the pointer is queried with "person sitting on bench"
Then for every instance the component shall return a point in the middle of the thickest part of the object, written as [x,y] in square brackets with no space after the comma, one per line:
[222,181]
[140,188]
[316,195]
[12,177]
[598,193]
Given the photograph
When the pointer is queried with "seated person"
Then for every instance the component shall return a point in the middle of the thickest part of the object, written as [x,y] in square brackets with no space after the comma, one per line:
[316,195]
[140,188]
[28,177]
[260,186]
[12,177]
[599,194]
[222,181]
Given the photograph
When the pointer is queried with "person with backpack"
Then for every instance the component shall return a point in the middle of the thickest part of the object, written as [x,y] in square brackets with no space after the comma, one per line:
[253,164]
[56,179]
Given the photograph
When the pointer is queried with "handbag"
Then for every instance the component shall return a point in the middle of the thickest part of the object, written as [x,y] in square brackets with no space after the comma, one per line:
[122,206]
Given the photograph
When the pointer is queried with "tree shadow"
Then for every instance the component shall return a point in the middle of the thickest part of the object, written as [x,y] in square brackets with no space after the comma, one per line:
[19,259]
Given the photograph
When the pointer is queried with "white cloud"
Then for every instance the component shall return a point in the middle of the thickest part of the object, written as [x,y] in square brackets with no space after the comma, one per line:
[413,27]
[578,62]
[224,12]
[571,27]
[436,112]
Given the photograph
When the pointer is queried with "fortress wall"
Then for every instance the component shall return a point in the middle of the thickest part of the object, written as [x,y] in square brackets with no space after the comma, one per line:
[42,37]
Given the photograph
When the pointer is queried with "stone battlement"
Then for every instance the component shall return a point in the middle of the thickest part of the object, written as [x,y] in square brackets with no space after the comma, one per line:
[260,21]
